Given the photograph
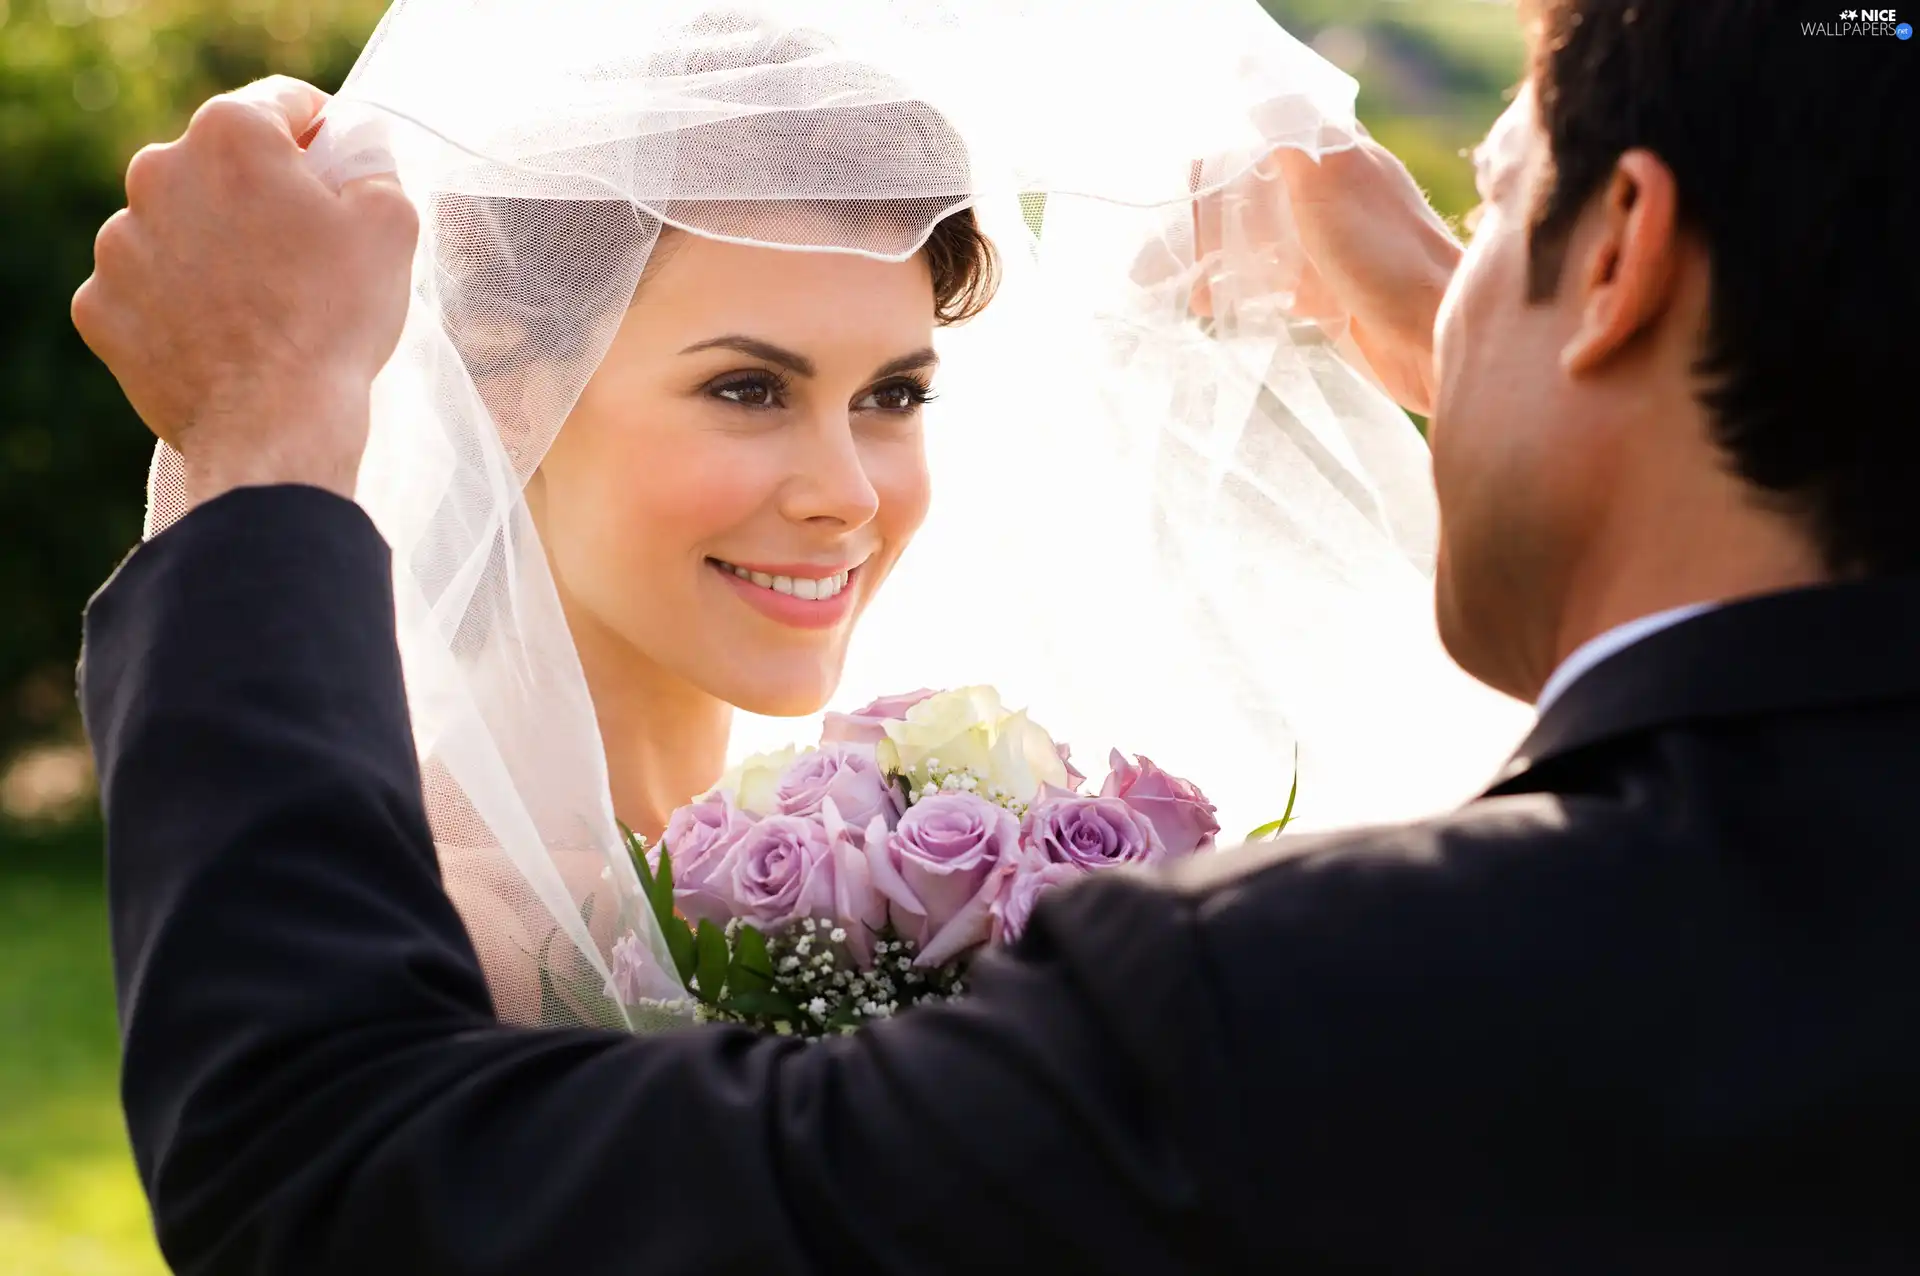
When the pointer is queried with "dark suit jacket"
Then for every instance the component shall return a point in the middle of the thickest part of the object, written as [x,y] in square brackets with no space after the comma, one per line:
[1651,1005]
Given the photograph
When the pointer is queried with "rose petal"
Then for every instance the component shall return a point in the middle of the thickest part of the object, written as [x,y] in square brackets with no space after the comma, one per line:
[971,925]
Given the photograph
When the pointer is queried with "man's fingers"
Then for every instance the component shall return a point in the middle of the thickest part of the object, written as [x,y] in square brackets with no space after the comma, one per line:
[291,105]
[102,324]
[101,309]
[146,173]
[379,202]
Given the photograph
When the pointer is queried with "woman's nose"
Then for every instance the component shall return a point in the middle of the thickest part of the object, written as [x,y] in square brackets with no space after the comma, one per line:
[830,480]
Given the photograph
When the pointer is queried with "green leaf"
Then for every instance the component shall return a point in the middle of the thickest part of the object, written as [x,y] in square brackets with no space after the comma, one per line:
[1274,829]
[649,881]
[679,937]
[768,1006]
[710,961]
[678,934]
[658,888]
[752,967]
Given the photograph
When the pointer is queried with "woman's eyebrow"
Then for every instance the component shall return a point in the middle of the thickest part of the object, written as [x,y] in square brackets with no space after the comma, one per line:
[798,364]
[915,362]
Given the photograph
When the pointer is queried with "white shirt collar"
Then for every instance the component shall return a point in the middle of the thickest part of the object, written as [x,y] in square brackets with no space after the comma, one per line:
[1612,642]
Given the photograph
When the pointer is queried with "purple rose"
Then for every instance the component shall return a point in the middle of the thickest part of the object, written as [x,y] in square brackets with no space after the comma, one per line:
[699,836]
[858,907]
[868,725]
[941,869]
[1089,832]
[1179,811]
[635,976]
[847,775]
[1021,890]
[780,872]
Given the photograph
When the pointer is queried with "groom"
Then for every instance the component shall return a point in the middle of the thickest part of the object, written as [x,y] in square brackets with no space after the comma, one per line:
[1648,1005]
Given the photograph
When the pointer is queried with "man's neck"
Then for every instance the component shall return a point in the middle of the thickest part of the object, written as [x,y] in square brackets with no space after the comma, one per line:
[1722,563]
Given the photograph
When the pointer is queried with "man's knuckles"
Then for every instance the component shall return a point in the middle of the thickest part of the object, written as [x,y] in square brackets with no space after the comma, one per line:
[150,173]
[237,135]
[92,313]
[116,247]
[381,206]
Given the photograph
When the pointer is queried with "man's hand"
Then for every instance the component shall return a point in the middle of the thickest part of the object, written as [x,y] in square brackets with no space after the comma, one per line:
[1377,258]
[245,307]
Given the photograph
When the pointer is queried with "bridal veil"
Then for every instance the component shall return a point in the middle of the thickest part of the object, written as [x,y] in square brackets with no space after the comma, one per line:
[1207,539]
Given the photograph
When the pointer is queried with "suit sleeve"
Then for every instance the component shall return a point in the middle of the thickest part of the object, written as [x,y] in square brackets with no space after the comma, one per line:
[314,1080]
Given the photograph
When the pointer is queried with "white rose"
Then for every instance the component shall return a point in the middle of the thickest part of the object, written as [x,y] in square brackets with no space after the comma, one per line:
[969,729]
[752,782]
[954,728]
[1024,758]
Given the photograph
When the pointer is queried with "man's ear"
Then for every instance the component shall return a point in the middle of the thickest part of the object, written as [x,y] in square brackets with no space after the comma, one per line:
[1625,263]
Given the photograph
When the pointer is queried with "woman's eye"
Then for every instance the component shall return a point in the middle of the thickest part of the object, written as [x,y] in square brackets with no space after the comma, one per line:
[749,391]
[896,396]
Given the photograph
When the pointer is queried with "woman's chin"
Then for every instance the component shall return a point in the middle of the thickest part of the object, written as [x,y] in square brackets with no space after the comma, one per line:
[781,705]
[805,692]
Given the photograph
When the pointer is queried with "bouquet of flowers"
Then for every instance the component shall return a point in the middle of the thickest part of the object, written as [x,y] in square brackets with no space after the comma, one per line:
[816,889]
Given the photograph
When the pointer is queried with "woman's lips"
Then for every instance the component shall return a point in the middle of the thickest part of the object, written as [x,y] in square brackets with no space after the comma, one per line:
[781,598]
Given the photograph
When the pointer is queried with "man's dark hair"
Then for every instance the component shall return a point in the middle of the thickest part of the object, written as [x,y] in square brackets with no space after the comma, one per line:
[1798,169]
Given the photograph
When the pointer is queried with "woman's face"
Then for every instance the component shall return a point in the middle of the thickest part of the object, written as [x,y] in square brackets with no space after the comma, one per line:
[744,468]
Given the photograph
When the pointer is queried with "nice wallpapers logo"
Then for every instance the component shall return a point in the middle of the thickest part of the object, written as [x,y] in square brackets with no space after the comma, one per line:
[1862,22]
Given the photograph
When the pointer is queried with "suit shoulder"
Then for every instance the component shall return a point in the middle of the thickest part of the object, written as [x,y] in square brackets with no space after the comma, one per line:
[1509,843]
[1506,893]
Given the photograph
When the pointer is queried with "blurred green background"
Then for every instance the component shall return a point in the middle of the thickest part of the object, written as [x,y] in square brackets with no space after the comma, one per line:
[84,83]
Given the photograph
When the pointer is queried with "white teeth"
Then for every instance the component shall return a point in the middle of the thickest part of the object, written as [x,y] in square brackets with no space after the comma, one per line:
[812,590]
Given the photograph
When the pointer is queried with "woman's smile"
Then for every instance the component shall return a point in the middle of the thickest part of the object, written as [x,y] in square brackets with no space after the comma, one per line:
[799,595]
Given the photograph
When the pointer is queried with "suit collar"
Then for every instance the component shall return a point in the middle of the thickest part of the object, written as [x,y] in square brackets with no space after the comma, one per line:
[1823,647]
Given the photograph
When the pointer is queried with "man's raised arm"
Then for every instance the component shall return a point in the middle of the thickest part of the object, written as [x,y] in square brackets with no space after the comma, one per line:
[314,1081]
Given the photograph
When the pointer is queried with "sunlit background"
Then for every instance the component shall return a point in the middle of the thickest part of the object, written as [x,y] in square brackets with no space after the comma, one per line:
[83,83]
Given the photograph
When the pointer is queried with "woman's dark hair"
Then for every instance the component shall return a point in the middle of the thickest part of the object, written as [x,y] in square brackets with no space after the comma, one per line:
[1792,154]
[511,269]
[966,270]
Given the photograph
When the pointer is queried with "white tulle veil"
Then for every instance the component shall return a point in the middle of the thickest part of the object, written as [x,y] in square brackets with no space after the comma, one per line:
[1205,540]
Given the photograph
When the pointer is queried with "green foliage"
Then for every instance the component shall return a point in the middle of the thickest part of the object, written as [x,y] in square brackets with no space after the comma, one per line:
[710,962]
[70,1203]
[657,886]
[79,93]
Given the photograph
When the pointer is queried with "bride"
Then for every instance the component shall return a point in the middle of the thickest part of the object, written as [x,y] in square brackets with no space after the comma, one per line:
[660,425]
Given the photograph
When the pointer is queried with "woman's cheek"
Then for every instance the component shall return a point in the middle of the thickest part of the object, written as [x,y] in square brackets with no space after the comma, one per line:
[703,489]
[899,476]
